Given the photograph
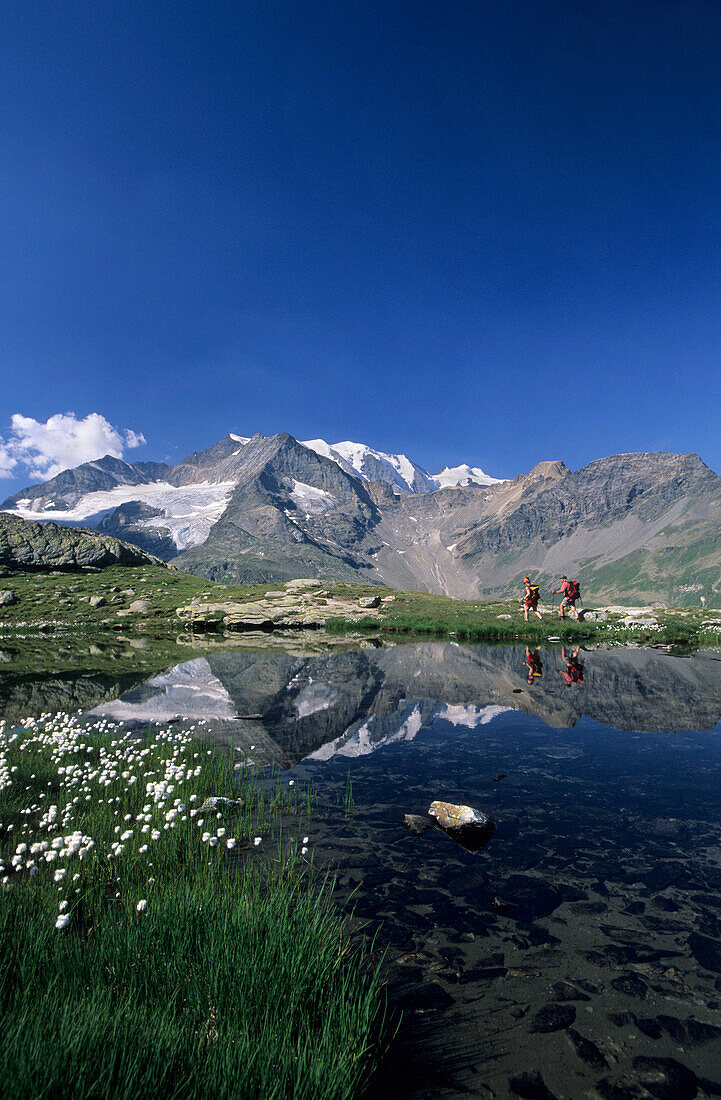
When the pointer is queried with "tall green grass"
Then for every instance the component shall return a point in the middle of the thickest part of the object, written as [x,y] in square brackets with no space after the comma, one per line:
[185,970]
[241,985]
[482,629]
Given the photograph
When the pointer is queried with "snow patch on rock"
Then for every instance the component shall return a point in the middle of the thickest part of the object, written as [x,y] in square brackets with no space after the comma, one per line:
[189,512]
[310,500]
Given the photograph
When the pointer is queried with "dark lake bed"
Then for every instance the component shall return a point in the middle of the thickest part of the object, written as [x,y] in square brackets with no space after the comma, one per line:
[578,954]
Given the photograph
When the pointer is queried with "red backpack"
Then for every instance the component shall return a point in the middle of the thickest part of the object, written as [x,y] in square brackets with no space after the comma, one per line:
[573,590]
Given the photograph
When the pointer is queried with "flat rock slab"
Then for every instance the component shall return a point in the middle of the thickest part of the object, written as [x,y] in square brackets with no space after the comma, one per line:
[298,607]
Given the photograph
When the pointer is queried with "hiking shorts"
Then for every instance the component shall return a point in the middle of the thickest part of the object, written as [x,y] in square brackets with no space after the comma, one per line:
[568,602]
[531,602]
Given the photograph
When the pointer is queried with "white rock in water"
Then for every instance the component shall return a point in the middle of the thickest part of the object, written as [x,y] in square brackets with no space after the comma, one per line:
[470,828]
[450,816]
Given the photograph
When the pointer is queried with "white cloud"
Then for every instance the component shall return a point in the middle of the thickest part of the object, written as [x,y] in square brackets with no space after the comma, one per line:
[42,450]
[7,462]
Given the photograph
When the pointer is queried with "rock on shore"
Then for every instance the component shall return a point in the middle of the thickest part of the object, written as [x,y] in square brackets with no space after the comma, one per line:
[27,545]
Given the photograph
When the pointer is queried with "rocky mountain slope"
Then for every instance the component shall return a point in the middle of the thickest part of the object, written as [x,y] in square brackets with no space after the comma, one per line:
[638,527]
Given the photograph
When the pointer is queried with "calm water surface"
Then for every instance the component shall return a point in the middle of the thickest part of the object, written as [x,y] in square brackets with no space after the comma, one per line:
[579,953]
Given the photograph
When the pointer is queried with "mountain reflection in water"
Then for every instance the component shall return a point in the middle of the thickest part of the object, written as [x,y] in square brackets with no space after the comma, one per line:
[578,954]
[353,703]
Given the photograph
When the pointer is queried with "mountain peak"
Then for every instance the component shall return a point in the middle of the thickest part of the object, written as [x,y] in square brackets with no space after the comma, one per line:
[551,468]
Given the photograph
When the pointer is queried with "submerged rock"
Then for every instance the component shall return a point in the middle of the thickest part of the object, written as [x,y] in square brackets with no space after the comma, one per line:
[553,1017]
[470,828]
[666,1078]
[417,824]
[530,1086]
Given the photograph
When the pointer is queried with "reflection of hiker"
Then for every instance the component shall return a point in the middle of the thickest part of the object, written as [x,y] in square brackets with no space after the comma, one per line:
[573,672]
[533,660]
[530,602]
[571,593]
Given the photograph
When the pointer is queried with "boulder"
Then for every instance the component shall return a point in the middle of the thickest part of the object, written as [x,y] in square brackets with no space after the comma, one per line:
[470,828]
[139,605]
[97,601]
[369,601]
[587,615]
[27,545]
[7,596]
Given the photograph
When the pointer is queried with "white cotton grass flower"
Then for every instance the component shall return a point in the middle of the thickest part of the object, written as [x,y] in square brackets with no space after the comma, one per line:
[141,905]
[305,839]
[257,840]
[230,842]
[304,851]
[62,921]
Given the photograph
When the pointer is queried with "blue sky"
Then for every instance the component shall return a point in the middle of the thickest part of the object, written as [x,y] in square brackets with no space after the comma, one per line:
[468,231]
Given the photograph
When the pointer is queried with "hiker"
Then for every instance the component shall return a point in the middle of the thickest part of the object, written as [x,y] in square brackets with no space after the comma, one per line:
[573,672]
[571,593]
[530,601]
[533,660]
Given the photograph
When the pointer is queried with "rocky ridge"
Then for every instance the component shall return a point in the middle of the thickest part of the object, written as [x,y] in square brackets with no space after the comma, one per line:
[26,545]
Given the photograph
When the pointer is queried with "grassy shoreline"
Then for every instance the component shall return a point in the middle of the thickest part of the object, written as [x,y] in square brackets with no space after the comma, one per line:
[108,601]
[150,947]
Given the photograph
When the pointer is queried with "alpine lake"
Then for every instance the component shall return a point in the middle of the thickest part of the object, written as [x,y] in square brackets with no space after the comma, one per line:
[577,953]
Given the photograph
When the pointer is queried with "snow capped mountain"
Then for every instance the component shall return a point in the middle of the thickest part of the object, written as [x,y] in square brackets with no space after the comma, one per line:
[398,470]
[452,476]
[171,509]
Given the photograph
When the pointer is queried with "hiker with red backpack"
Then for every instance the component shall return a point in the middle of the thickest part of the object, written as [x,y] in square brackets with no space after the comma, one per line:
[571,593]
[530,599]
